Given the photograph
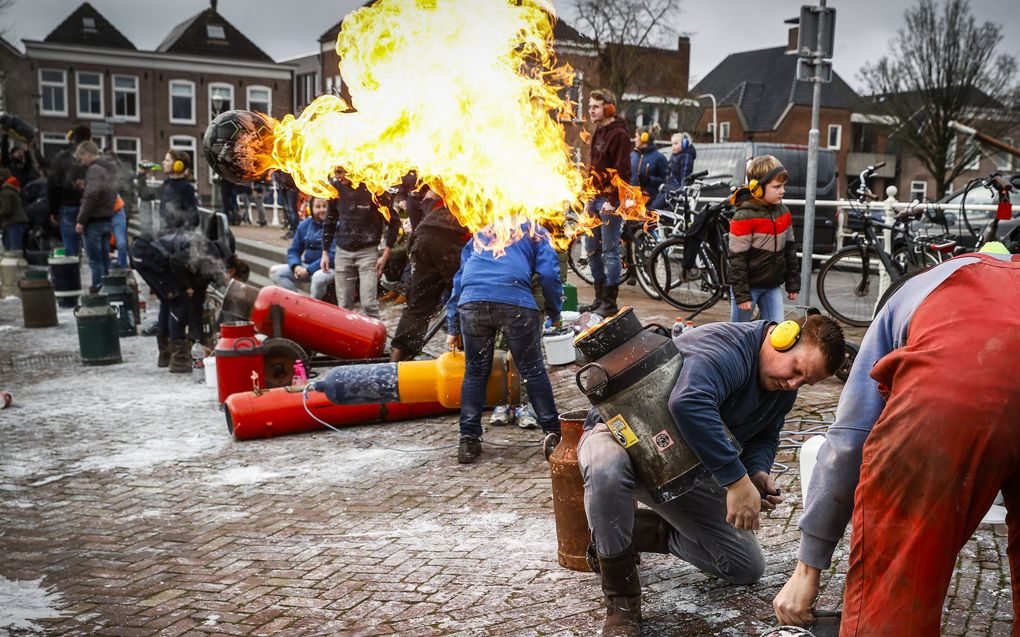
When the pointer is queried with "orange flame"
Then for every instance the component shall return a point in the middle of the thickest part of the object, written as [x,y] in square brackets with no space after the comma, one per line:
[466,94]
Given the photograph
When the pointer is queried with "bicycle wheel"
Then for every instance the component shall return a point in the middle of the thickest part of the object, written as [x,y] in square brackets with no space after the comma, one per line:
[644,243]
[666,274]
[578,259]
[845,291]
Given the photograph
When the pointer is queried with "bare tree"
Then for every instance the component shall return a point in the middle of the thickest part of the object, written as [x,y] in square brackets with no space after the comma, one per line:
[619,30]
[943,66]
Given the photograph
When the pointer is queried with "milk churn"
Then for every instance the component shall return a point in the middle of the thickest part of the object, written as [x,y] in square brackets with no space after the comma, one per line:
[629,380]
[97,331]
[66,274]
[132,283]
[238,355]
[572,532]
[11,266]
[38,304]
[120,298]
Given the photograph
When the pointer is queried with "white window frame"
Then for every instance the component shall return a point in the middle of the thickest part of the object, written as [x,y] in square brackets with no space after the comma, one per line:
[921,193]
[970,146]
[189,145]
[269,97]
[90,87]
[44,84]
[838,129]
[52,139]
[217,85]
[137,153]
[724,132]
[710,128]
[1000,156]
[115,90]
[170,101]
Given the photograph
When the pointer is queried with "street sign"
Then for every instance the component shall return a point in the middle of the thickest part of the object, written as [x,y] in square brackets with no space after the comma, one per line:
[101,129]
[813,19]
[810,71]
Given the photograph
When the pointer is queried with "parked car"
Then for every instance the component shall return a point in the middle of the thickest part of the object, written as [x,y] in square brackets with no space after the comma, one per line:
[956,223]
[727,161]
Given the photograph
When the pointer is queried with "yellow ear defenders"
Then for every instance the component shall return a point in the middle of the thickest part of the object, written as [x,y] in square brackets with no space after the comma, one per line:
[644,137]
[756,187]
[178,166]
[785,335]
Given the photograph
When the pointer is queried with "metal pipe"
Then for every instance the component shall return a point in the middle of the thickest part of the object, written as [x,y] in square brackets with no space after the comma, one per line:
[715,119]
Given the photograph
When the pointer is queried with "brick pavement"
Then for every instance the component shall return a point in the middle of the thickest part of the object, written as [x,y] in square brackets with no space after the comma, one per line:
[128,510]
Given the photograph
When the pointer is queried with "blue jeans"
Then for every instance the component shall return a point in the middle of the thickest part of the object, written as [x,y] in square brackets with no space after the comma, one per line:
[97,248]
[120,235]
[68,219]
[14,236]
[289,199]
[480,321]
[603,246]
[768,300]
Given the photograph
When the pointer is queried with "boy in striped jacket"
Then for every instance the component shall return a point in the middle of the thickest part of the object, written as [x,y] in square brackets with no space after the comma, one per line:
[762,255]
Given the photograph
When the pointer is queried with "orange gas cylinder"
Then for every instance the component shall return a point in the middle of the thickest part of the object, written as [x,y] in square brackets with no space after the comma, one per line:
[318,326]
[572,533]
[281,411]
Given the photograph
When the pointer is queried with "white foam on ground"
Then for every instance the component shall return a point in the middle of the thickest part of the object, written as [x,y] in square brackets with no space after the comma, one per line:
[243,475]
[23,602]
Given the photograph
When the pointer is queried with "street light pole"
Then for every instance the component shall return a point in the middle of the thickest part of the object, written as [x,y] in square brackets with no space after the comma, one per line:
[715,119]
[811,188]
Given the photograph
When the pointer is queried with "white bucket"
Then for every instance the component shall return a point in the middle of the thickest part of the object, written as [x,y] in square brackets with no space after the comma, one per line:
[210,372]
[559,348]
[567,317]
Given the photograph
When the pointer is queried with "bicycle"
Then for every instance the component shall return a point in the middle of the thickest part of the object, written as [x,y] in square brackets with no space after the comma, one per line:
[849,281]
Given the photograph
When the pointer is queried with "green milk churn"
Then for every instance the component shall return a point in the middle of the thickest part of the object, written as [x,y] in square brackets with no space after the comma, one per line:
[38,303]
[122,299]
[132,283]
[97,331]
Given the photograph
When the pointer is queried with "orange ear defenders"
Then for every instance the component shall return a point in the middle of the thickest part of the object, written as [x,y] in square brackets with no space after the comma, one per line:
[785,335]
[756,187]
[609,110]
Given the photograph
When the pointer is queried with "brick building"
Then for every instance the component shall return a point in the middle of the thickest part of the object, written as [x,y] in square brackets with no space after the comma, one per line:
[142,103]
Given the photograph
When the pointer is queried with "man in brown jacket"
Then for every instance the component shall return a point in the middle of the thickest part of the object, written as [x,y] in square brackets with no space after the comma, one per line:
[95,215]
[610,154]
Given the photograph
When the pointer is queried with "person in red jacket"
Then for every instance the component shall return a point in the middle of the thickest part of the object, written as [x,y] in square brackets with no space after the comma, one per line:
[610,154]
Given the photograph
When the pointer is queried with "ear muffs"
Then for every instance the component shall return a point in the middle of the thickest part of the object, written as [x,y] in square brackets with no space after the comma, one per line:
[609,110]
[785,335]
[644,137]
[178,166]
[756,187]
[685,141]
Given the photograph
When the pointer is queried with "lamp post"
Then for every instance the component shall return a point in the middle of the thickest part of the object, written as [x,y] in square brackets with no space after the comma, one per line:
[715,119]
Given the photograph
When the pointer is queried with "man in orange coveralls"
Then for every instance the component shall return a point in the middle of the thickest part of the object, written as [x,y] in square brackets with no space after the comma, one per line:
[927,431]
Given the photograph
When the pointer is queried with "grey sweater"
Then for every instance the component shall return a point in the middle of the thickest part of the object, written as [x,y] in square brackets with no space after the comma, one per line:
[100,191]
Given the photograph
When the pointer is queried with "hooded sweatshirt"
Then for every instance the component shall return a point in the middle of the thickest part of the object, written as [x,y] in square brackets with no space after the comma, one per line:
[610,151]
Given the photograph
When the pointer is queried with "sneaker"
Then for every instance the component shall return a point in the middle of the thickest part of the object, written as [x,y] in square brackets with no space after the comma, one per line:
[388,296]
[392,286]
[468,450]
[400,300]
[287,235]
[501,416]
[525,416]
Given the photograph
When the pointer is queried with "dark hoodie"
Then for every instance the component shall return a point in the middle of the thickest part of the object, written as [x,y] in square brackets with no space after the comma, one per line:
[610,150]
[100,195]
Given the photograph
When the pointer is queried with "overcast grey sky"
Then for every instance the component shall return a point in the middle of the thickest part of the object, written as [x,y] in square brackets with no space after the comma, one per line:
[287,28]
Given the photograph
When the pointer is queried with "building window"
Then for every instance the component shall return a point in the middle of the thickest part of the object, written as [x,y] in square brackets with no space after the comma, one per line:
[674,119]
[306,89]
[182,102]
[90,94]
[221,99]
[1003,160]
[215,32]
[973,151]
[724,131]
[260,99]
[918,190]
[128,151]
[710,129]
[125,97]
[186,144]
[53,87]
[835,136]
[52,143]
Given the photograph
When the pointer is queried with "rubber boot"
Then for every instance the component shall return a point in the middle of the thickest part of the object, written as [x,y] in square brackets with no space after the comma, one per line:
[608,307]
[163,343]
[651,532]
[622,592]
[597,302]
[180,357]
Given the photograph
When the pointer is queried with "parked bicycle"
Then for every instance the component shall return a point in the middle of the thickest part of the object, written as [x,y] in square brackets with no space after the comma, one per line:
[850,282]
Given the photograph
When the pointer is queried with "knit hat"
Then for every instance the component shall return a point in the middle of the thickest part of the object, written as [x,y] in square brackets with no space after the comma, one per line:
[13,181]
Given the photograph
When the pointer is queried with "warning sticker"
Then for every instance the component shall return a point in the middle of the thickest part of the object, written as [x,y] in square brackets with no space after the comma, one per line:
[662,440]
[622,431]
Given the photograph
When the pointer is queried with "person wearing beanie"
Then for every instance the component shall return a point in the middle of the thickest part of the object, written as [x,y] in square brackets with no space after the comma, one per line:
[13,221]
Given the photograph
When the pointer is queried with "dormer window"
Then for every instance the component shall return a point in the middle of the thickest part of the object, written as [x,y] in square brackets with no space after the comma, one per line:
[89,25]
[215,32]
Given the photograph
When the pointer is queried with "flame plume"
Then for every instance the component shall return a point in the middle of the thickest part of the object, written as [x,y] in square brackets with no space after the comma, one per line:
[465,93]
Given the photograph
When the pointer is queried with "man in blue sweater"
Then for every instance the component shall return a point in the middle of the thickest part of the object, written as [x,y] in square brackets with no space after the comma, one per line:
[492,293]
[733,374]
[307,258]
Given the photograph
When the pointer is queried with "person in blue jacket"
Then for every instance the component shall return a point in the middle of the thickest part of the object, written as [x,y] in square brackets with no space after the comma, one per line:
[743,375]
[492,293]
[681,166]
[306,253]
[648,167]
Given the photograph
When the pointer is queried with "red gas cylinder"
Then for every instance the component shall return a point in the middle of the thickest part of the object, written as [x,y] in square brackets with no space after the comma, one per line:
[281,411]
[238,355]
[319,326]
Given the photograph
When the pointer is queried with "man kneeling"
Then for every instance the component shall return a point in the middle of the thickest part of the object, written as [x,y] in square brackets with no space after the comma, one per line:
[743,375]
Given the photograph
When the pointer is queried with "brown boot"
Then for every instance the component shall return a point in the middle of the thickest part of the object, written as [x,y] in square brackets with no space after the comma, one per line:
[622,592]
[163,343]
[180,357]
[597,302]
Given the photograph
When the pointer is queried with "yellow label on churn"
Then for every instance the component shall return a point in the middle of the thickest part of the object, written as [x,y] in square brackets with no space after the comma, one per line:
[622,431]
